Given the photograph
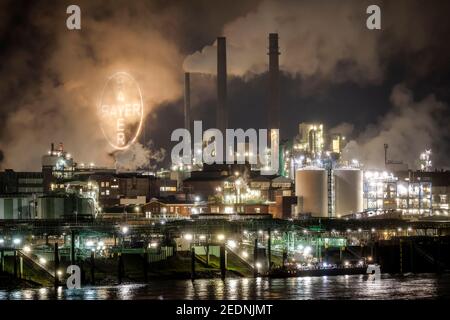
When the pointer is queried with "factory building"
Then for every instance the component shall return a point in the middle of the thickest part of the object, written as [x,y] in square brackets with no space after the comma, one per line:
[311,139]
[18,206]
[413,193]
[12,182]
[65,206]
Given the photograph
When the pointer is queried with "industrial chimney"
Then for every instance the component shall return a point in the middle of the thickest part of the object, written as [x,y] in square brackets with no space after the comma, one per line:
[274,83]
[187,101]
[222,114]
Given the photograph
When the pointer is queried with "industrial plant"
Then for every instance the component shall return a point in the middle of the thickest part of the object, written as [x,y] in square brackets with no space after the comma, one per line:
[320,214]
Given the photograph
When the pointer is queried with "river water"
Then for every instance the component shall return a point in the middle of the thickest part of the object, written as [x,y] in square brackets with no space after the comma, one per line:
[417,286]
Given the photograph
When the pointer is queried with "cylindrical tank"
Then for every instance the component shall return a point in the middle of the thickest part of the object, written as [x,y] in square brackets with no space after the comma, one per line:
[56,207]
[311,189]
[50,207]
[348,188]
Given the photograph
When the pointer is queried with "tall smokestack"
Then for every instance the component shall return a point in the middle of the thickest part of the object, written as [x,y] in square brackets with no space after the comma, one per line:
[187,101]
[274,83]
[222,114]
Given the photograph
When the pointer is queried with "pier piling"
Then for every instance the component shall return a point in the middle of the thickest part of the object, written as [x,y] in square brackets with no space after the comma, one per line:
[120,268]
[56,258]
[269,249]
[223,269]
[92,267]
[193,263]
[255,258]
[15,264]
[146,265]
[72,247]
[2,260]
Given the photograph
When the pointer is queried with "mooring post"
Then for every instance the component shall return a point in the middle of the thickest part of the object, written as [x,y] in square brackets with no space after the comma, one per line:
[285,256]
[269,249]
[56,258]
[15,263]
[145,264]
[438,256]
[72,247]
[401,255]
[92,267]
[223,269]
[192,263]
[20,267]
[255,258]
[377,252]
[119,268]
[2,260]
[207,254]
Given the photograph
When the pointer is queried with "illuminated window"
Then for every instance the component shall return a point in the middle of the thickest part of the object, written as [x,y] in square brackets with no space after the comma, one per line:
[107,184]
[102,184]
[107,192]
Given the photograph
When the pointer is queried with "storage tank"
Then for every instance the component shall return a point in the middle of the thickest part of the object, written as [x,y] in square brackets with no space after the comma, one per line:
[348,188]
[311,190]
[56,207]
[16,207]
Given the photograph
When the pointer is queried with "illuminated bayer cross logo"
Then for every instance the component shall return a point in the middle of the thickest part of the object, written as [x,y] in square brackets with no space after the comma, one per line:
[374,272]
[121,110]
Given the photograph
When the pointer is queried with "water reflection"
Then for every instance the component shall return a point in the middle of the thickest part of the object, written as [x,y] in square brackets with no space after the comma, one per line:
[340,287]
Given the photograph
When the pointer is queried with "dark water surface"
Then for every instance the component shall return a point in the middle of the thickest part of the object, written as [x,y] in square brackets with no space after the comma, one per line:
[419,286]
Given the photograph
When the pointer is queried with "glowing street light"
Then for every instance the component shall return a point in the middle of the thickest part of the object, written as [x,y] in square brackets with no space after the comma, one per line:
[89,243]
[125,229]
[232,244]
[17,241]
[27,249]
[245,254]
[188,236]
[153,244]
[202,237]
[258,265]
[42,261]
[220,237]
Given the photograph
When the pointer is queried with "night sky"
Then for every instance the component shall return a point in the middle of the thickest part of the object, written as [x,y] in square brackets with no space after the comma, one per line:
[375,86]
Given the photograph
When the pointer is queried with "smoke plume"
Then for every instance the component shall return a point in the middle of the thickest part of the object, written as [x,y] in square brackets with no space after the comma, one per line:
[62,103]
[323,41]
[138,156]
[409,128]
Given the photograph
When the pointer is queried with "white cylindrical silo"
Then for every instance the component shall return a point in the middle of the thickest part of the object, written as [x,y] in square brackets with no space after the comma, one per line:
[311,189]
[348,188]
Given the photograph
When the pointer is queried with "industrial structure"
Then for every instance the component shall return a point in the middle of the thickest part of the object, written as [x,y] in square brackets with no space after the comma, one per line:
[313,179]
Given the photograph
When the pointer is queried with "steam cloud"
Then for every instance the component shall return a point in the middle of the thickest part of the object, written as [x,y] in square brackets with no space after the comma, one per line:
[52,78]
[409,128]
[138,156]
[62,105]
[322,41]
